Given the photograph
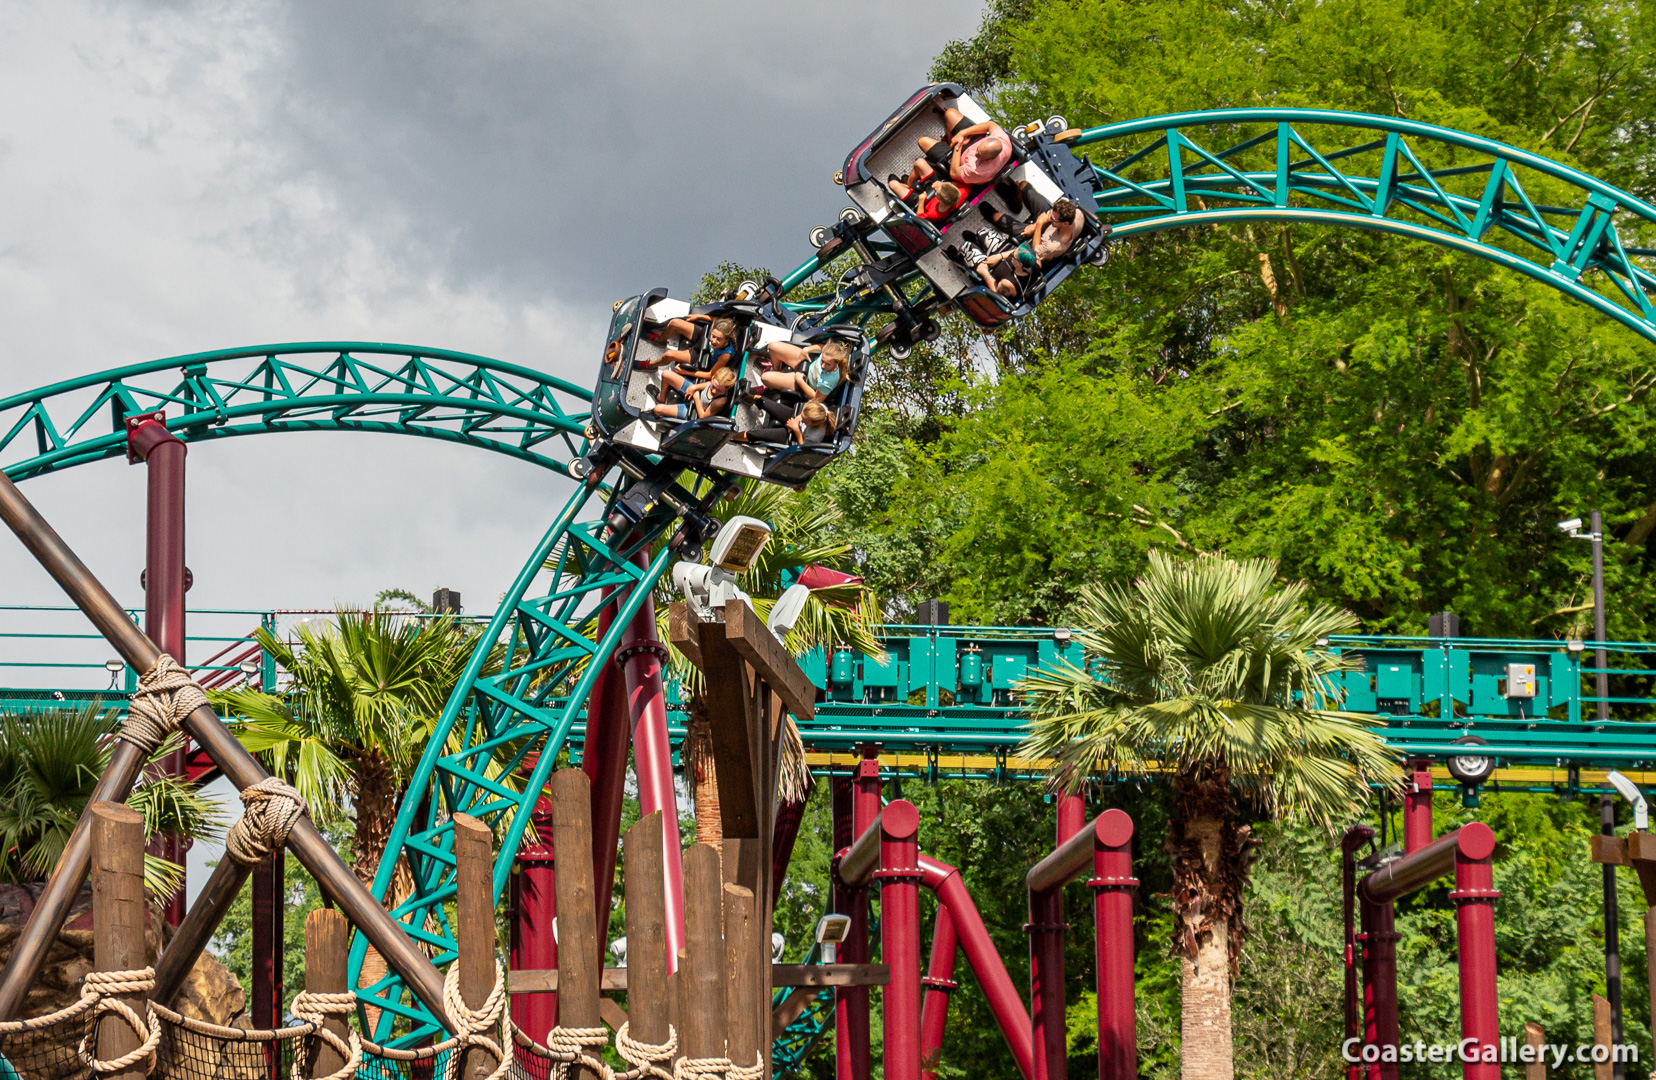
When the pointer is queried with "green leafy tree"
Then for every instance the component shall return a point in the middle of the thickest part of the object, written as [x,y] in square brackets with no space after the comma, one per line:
[50,763]
[1209,670]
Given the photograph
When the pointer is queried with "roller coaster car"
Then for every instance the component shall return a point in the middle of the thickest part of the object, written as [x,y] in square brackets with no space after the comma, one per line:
[630,385]
[1044,168]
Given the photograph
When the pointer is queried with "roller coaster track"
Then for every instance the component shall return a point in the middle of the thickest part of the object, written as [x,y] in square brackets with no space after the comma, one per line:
[500,733]
[1484,198]
[311,386]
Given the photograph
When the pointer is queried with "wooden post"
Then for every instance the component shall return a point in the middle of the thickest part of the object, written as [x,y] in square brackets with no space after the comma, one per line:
[648,1010]
[475,933]
[1535,1039]
[1601,1036]
[118,911]
[327,953]
[1650,966]
[745,1034]
[701,985]
[579,967]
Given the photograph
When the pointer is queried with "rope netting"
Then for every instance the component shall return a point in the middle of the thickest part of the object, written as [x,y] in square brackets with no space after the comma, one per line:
[63,1045]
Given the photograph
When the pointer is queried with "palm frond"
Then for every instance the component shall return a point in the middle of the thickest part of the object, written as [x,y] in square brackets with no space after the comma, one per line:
[1210,661]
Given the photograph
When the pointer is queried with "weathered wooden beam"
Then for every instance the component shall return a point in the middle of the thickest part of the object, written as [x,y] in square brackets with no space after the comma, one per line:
[475,932]
[579,973]
[646,971]
[118,911]
[683,634]
[327,954]
[701,981]
[759,647]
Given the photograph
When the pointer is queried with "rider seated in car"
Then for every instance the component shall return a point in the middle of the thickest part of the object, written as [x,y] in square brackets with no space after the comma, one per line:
[812,379]
[721,343]
[973,156]
[702,399]
[944,199]
[814,423]
[993,257]
[1054,230]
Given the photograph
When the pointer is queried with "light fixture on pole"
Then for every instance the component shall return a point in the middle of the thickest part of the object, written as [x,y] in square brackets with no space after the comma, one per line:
[1595,533]
[114,667]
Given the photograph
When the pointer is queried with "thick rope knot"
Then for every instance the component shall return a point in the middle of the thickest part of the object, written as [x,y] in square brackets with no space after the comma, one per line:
[688,1068]
[98,989]
[476,1027]
[566,1046]
[644,1057]
[271,808]
[747,1072]
[314,1009]
[166,695]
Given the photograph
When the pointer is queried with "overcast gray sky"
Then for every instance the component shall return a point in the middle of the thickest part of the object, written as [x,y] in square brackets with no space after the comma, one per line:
[181,176]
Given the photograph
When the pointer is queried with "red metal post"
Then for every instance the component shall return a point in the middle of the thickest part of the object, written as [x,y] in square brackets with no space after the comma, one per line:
[973,937]
[1417,810]
[1046,929]
[604,760]
[1354,838]
[162,452]
[641,657]
[534,907]
[1113,884]
[789,816]
[267,947]
[851,1009]
[852,902]
[939,983]
[1380,985]
[900,877]
[1475,896]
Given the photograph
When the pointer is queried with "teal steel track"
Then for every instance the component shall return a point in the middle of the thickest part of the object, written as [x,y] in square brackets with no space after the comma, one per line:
[1477,196]
[305,386]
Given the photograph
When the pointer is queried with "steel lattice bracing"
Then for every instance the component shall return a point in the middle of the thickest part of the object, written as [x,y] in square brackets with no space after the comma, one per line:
[310,386]
[1474,195]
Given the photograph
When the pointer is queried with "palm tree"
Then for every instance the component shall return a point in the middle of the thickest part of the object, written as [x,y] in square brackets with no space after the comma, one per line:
[50,762]
[1209,671]
[366,693]
[803,528]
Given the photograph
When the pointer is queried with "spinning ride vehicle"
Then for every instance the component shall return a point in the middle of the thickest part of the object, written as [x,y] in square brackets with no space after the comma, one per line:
[662,351]
[1039,170]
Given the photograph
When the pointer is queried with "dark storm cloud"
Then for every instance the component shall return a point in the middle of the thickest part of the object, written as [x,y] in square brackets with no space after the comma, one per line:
[591,150]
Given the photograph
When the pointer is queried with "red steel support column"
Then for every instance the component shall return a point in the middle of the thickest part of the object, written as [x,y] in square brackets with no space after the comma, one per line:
[641,657]
[853,903]
[1046,929]
[1380,984]
[162,452]
[851,1009]
[985,961]
[789,816]
[267,953]
[604,760]
[1475,895]
[534,906]
[939,983]
[1417,810]
[1113,884]
[900,876]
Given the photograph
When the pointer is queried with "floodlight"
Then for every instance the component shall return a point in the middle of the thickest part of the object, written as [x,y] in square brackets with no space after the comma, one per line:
[830,931]
[1630,792]
[1573,525]
[113,666]
[787,609]
[739,543]
[778,945]
[618,948]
